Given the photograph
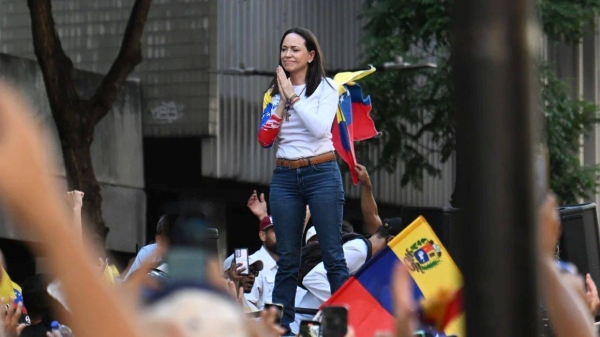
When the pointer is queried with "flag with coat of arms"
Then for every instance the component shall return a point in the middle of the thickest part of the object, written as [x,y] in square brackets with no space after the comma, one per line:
[437,285]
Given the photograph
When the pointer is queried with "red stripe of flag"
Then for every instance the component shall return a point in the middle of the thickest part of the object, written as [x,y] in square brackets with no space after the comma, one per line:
[365,313]
[454,309]
[364,127]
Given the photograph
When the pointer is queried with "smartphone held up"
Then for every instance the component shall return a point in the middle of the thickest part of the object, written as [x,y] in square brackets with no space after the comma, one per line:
[310,329]
[241,256]
[279,308]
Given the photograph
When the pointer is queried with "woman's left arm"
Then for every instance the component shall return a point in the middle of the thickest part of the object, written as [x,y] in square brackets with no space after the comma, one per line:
[318,116]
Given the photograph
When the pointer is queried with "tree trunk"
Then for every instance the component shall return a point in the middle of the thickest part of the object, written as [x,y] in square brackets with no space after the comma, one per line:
[77,156]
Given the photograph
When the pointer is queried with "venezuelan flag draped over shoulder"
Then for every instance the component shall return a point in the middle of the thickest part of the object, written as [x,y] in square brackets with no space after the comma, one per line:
[352,120]
[437,284]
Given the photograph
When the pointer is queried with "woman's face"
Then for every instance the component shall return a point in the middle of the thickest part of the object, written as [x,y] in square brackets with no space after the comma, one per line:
[294,55]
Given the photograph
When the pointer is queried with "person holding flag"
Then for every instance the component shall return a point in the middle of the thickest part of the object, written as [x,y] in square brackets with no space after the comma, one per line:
[299,110]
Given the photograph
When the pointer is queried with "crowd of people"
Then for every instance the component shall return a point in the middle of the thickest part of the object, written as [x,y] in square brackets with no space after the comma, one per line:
[175,287]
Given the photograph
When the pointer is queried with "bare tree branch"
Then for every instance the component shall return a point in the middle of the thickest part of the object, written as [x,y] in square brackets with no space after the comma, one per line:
[130,55]
[56,66]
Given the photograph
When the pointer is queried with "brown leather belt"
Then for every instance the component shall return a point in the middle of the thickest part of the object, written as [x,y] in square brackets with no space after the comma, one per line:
[304,162]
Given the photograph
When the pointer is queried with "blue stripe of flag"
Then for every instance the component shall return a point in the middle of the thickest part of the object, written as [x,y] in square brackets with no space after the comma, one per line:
[356,95]
[376,277]
[344,136]
[346,107]
[266,115]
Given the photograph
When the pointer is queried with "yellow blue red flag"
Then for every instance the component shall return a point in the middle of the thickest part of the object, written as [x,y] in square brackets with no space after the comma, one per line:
[352,120]
[367,293]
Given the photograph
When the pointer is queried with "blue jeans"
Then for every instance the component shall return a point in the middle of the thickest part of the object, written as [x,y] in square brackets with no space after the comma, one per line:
[319,186]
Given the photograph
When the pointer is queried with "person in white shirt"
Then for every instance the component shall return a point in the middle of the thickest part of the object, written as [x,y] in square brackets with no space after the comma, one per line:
[245,282]
[356,252]
[299,109]
[311,235]
[262,290]
[258,206]
[161,244]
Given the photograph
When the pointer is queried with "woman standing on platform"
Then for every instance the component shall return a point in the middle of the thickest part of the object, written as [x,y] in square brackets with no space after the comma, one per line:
[299,109]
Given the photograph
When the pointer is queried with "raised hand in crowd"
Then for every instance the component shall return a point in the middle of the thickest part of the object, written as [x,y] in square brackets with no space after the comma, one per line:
[10,318]
[236,292]
[363,174]
[228,285]
[233,273]
[591,295]
[368,206]
[258,206]
[587,290]
[233,282]
[74,200]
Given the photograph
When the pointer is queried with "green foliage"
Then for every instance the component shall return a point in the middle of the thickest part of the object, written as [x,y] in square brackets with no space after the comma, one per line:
[566,121]
[568,20]
[411,106]
[414,108]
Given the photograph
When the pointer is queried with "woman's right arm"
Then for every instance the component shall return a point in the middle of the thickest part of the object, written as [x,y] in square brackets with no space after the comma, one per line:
[269,126]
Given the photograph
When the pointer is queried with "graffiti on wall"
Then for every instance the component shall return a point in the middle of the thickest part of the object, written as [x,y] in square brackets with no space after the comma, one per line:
[167,112]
